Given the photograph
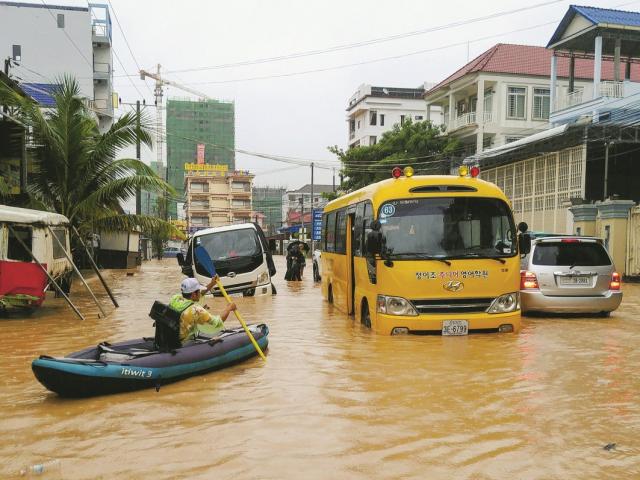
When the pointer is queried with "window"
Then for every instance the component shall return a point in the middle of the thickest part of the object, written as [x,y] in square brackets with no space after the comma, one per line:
[200,221]
[199,187]
[341,231]
[419,118]
[401,119]
[373,117]
[60,244]
[382,119]
[199,204]
[461,107]
[330,239]
[60,20]
[240,203]
[358,229]
[580,253]
[373,140]
[473,103]
[516,99]
[541,103]
[358,124]
[244,186]
[17,53]
[15,250]
[367,218]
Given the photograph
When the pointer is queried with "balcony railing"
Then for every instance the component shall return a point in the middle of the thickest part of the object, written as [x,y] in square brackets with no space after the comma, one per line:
[102,106]
[352,135]
[101,71]
[571,99]
[611,89]
[465,119]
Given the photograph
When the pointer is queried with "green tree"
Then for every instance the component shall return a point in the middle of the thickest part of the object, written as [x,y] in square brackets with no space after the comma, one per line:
[421,145]
[75,172]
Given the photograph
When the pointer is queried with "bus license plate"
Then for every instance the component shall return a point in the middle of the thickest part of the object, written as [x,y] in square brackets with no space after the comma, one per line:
[455,327]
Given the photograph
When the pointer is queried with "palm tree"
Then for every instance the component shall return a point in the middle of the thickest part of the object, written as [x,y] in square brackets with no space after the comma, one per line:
[74,168]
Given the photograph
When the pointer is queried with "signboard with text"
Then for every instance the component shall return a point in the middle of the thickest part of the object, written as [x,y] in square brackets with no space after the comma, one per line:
[205,167]
[200,154]
[317,225]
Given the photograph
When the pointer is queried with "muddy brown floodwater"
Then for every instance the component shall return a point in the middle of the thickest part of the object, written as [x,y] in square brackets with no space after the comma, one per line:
[333,400]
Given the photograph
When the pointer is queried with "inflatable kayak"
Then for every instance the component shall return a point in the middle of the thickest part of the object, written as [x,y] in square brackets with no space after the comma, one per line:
[145,362]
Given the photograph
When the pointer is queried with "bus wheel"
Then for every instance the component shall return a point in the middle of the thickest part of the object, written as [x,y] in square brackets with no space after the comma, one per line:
[365,316]
[330,295]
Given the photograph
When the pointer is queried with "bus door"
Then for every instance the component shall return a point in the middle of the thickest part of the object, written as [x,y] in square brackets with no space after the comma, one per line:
[351,281]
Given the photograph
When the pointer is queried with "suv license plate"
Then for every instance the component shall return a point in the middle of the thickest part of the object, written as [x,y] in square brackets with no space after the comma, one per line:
[575,280]
[455,327]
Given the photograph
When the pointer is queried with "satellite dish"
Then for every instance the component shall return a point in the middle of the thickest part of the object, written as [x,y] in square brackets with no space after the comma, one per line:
[385,91]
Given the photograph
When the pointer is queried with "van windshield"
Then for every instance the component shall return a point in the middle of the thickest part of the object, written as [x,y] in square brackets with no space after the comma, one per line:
[231,244]
[457,227]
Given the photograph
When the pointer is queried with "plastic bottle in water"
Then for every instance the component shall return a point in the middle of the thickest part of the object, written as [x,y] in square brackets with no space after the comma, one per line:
[44,468]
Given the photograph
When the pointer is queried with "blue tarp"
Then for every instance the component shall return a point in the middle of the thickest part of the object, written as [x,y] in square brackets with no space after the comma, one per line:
[41,92]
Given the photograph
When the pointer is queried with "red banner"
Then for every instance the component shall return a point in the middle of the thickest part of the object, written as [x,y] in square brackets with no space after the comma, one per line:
[200,153]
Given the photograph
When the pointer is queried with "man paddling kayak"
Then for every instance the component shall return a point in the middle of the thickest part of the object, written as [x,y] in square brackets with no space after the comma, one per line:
[194,318]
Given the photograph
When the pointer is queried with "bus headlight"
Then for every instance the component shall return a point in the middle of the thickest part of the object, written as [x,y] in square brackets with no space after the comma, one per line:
[263,278]
[395,306]
[509,302]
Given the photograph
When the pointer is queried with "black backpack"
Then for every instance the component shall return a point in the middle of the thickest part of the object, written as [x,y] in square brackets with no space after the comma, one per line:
[167,323]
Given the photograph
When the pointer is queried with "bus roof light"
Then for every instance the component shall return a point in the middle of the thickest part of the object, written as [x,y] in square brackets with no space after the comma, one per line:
[396,172]
[408,172]
[463,171]
[475,171]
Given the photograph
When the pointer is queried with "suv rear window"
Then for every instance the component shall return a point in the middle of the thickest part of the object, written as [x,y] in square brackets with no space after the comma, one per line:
[563,253]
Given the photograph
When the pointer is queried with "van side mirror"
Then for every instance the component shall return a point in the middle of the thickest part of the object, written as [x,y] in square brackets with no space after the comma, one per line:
[180,258]
[524,243]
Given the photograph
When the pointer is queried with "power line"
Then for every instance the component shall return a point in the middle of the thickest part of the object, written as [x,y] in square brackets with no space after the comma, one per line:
[370,41]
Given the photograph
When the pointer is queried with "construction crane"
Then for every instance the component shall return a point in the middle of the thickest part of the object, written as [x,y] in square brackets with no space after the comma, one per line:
[160,82]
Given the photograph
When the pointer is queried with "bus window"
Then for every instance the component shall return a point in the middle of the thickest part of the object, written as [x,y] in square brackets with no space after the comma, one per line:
[357,230]
[15,250]
[323,233]
[341,231]
[367,218]
[330,243]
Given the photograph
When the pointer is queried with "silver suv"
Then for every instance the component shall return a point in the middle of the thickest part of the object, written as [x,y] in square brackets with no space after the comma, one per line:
[569,275]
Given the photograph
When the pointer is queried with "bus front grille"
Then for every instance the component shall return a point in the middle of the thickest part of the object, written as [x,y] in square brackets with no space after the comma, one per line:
[452,305]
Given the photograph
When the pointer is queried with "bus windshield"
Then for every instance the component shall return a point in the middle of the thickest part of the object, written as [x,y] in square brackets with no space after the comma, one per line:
[231,244]
[458,227]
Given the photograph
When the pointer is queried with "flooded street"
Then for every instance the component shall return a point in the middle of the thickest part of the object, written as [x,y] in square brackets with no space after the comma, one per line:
[333,400]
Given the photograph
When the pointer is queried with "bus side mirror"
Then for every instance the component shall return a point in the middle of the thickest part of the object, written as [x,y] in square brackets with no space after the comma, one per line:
[180,258]
[374,242]
[524,243]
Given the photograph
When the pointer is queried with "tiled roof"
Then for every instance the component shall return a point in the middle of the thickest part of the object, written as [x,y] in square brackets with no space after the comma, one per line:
[41,92]
[531,60]
[597,16]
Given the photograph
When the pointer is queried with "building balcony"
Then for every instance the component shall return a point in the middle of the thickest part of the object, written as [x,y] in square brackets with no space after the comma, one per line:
[100,24]
[352,135]
[609,97]
[102,106]
[101,71]
[470,119]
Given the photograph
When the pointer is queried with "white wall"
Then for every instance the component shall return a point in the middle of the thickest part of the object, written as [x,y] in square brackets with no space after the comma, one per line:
[45,47]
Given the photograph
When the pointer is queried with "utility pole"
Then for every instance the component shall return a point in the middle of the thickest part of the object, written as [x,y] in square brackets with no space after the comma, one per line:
[312,209]
[334,179]
[138,192]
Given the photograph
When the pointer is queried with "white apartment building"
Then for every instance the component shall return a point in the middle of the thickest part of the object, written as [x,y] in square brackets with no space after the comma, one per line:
[513,83]
[375,110]
[294,202]
[46,42]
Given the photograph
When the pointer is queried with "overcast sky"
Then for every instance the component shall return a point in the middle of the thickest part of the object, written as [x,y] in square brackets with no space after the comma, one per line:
[300,115]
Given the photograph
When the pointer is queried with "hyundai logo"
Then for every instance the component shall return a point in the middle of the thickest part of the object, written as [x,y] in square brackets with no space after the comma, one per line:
[453,286]
[231,274]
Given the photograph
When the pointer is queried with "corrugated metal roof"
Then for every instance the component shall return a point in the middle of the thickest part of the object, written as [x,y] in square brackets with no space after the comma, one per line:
[41,92]
[597,16]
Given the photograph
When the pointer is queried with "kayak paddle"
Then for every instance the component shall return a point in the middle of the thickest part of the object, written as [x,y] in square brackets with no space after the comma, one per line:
[205,260]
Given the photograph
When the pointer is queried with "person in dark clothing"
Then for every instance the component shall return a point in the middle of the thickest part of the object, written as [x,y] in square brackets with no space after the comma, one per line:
[374,243]
[294,263]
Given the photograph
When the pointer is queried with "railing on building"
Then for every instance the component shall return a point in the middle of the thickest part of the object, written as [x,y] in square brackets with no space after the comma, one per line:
[101,106]
[352,135]
[569,100]
[100,23]
[611,89]
[101,70]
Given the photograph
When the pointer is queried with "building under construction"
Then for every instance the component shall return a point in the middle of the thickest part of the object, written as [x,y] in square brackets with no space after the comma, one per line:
[201,131]
[268,201]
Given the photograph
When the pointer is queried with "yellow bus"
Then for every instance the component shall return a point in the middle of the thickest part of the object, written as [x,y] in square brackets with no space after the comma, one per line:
[425,255]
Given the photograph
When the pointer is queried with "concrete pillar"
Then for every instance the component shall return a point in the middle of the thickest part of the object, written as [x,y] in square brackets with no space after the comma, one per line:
[428,111]
[572,73]
[597,66]
[616,60]
[452,111]
[480,116]
[584,219]
[613,220]
[554,80]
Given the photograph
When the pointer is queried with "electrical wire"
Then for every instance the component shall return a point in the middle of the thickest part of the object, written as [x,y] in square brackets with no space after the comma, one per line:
[68,36]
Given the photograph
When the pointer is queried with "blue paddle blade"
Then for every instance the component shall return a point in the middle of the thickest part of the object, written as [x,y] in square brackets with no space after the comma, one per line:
[205,260]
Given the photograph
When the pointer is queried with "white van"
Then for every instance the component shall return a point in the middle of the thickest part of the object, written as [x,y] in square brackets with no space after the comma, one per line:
[241,256]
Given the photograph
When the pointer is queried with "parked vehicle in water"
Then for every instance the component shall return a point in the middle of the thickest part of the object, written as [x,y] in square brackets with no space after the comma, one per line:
[569,274]
[22,281]
[241,257]
[424,254]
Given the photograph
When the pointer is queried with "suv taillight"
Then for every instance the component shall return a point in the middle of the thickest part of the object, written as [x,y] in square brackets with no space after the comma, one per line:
[615,282]
[528,280]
